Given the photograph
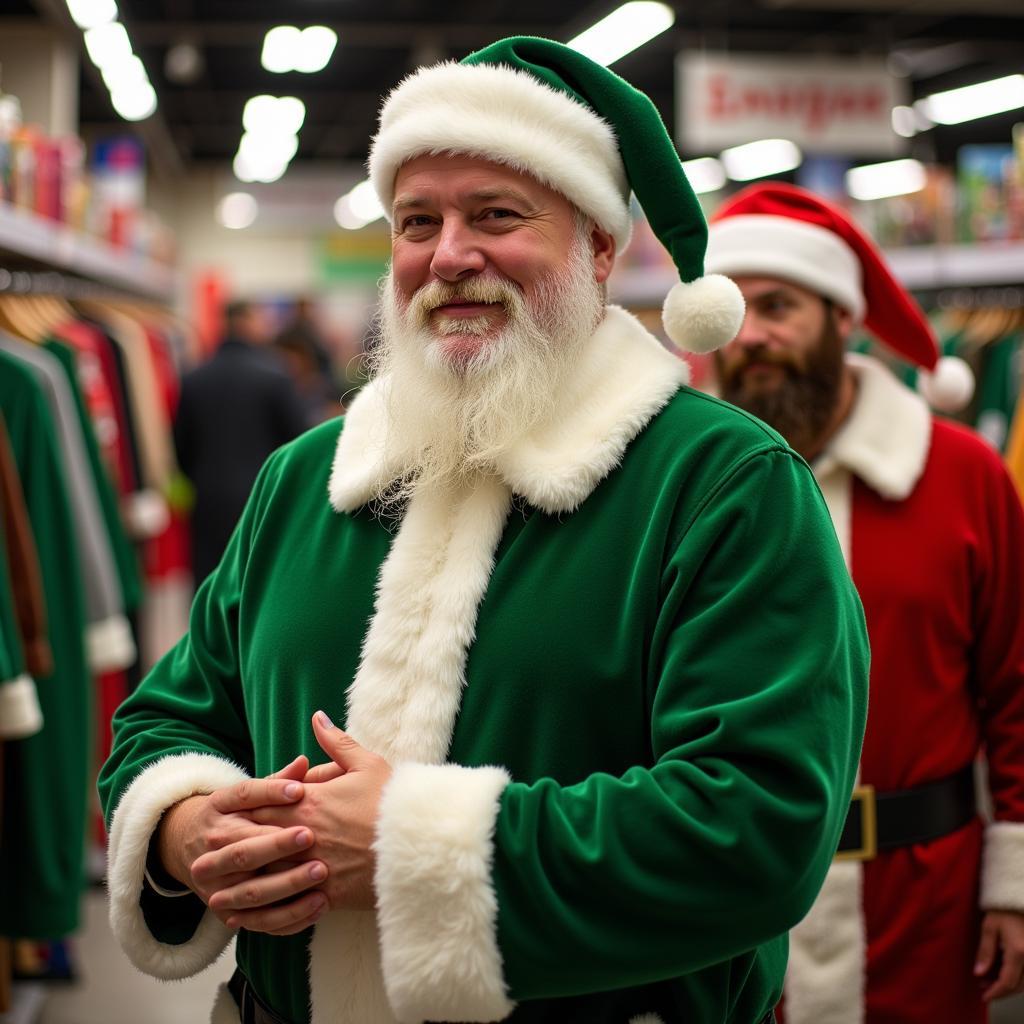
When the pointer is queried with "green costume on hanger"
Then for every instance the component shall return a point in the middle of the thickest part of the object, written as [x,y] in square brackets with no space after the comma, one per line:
[125,558]
[47,776]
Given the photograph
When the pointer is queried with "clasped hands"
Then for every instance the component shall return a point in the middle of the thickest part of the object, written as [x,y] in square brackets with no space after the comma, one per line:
[272,855]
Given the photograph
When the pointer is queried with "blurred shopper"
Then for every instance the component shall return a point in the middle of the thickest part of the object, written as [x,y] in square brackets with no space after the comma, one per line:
[302,349]
[920,921]
[234,411]
[601,669]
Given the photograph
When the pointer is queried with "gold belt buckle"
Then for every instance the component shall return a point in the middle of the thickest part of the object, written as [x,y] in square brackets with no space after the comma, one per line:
[864,797]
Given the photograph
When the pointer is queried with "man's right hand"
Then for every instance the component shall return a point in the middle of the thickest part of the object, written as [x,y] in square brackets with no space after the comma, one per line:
[210,844]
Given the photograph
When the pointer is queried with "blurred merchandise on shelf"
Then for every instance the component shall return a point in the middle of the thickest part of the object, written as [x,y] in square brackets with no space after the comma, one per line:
[49,178]
[825,175]
[927,217]
[10,121]
[991,194]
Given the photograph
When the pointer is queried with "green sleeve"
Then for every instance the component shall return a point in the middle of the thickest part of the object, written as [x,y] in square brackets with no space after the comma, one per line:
[757,696]
[183,726]
[191,701]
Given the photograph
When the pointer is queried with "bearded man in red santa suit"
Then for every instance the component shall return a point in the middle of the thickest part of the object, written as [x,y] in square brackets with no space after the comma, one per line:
[922,916]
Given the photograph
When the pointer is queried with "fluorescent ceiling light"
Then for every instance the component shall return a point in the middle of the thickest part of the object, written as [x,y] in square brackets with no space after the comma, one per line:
[125,75]
[622,31]
[268,149]
[108,44]
[273,115]
[237,210]
[364,202]
[904,122]
[759,159]
[345,218]
[91,13]
[358,207]
[317,45]
[135,103]
[280,46]
[263,157]
[286,48]
[248,168]
[974,101]
[705,175]
[892,178]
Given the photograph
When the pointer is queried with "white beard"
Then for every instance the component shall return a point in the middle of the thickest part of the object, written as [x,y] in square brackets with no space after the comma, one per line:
[451,418]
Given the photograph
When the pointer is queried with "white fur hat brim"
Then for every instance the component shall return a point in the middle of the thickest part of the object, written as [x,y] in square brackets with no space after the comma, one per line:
[509,117]
[783,247]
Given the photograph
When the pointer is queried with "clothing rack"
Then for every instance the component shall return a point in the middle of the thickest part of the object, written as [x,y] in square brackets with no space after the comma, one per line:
[982,297]
[53,283]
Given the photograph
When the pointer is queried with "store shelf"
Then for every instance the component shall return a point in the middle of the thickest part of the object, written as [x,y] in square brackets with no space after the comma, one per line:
[28,237]
[920,268]
[954,266]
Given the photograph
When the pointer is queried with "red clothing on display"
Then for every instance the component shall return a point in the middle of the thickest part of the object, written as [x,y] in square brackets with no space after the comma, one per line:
[934,535]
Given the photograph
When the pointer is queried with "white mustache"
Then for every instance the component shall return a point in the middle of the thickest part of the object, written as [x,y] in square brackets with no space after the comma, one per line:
[477,289]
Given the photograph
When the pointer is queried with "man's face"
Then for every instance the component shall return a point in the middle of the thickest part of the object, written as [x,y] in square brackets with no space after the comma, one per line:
[467,232]
[785,365]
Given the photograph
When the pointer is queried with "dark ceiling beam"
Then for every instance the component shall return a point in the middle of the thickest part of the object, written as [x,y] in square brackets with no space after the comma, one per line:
[365,35]
[167,160]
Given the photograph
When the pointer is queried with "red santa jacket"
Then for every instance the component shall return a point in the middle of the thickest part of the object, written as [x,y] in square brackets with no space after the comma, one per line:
[933,532]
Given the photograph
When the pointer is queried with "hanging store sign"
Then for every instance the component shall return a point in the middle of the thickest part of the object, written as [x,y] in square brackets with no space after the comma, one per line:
[833,105]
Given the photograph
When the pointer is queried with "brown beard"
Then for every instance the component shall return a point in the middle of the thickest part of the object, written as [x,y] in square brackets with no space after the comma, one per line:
[801,406]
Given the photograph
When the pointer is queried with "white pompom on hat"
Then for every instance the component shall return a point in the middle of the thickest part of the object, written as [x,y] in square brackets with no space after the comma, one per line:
[780,230]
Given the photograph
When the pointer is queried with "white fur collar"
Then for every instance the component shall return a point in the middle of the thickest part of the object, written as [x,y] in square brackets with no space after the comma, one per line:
[885,440]
[624,379]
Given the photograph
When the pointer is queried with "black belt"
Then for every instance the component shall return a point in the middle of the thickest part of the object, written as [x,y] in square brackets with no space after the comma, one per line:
[877,822]
[251,1009]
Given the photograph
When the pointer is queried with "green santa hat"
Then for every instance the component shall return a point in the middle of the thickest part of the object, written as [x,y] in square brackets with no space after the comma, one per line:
[545,110]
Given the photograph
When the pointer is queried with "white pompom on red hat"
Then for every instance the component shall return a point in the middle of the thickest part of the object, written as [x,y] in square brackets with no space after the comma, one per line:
[783,231]
[949,387]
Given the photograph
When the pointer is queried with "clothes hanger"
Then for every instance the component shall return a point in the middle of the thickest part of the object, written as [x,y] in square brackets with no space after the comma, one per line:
[16,317]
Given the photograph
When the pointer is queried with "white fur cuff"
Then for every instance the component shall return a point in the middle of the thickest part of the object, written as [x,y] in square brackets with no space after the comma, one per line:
[162,784]
[20,715]
[109,645]
[437,910]
[1002,868]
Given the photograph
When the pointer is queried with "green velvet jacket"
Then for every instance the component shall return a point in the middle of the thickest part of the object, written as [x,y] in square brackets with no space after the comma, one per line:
[623,683]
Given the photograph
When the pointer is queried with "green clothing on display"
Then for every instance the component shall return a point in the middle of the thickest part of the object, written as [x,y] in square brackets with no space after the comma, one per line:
[646,623]
[15,683]
[46,776]
[125,558]
[999,388]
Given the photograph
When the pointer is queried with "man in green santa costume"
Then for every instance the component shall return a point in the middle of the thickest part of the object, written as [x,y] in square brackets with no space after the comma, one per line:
[597,668]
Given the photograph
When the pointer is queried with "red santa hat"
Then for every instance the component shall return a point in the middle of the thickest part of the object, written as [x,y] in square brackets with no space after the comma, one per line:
[779,230]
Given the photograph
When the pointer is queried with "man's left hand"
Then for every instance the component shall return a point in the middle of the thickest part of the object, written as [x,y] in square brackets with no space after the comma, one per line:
[340,808]
[1002,937]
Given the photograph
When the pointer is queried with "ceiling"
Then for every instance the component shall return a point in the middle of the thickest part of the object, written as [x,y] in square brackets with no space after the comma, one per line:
[938,43]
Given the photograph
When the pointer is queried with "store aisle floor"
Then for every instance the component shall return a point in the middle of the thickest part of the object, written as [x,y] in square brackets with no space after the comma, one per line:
[113,992]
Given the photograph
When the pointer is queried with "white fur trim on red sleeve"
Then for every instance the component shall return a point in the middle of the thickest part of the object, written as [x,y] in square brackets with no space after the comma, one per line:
[154,790]
[437,909]
[1002,867]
